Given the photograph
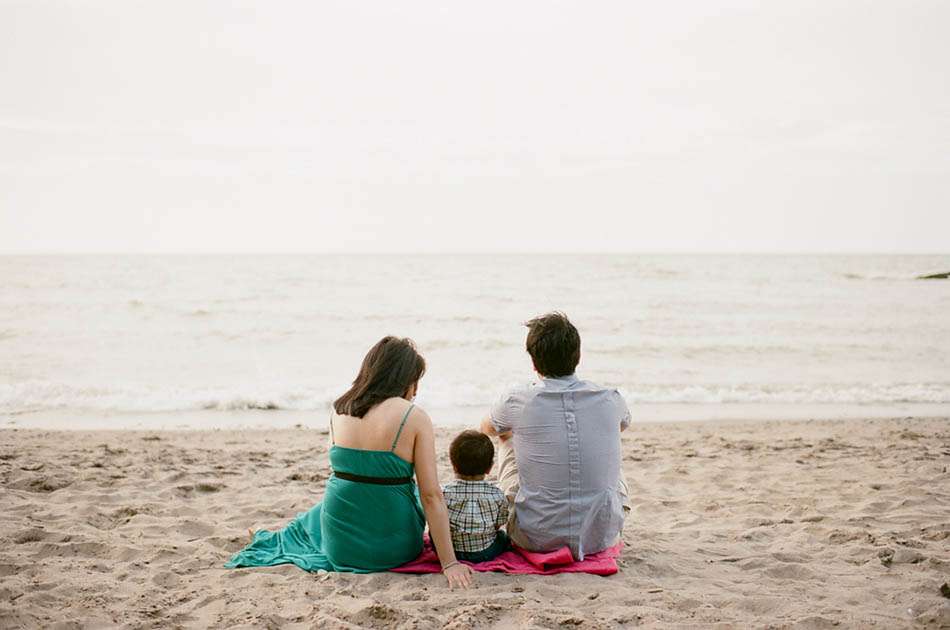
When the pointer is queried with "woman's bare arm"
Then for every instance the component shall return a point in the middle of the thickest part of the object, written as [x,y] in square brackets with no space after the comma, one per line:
[434,505]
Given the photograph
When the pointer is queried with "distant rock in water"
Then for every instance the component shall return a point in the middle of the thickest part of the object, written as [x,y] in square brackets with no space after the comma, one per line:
[936,276]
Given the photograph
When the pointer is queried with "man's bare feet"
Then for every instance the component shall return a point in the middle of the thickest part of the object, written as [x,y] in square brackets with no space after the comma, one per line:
[250,535]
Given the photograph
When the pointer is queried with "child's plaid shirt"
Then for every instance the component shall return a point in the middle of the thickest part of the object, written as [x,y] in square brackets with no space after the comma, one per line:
[476,510]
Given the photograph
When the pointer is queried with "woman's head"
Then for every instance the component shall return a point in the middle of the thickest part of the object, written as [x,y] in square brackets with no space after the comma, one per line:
[391,368]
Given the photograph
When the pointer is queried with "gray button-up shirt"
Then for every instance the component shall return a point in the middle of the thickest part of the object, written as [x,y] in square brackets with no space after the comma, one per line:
[566,436]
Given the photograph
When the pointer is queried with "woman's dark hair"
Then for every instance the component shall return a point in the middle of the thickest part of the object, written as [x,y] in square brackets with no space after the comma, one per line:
[389,370]
[472,453]
[554,344]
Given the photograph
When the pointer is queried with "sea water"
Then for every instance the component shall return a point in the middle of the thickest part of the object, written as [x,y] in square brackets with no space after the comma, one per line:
[138,334]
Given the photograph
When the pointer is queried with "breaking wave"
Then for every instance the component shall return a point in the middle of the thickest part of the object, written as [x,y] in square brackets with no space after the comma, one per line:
[33,396]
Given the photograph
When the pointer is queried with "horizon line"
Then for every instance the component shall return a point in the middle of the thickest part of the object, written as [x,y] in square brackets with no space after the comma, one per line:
[476,253]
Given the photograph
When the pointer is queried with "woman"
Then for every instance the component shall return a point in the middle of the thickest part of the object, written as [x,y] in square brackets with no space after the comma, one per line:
[371,518]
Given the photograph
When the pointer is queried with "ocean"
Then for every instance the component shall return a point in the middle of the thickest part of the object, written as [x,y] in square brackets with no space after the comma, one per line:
[225,333]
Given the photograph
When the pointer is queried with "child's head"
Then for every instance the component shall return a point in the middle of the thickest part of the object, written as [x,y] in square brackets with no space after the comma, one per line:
[472,454]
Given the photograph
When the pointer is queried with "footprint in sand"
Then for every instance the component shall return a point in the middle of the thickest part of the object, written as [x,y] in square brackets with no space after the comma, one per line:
[203,487]
[30,535]
[305,476]
[790,572]
[41,484]
[166,579]
[889,556]
[195,529]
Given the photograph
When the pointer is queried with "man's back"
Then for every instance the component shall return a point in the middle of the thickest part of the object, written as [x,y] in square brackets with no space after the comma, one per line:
[566,438]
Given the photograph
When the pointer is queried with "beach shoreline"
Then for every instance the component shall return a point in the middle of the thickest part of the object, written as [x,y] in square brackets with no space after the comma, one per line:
[452,417]
[809,524]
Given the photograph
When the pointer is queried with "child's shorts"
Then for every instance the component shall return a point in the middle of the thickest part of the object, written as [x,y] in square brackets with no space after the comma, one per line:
[500,545]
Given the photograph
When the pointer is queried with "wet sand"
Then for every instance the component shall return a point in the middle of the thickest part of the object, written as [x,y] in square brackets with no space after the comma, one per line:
[805,524]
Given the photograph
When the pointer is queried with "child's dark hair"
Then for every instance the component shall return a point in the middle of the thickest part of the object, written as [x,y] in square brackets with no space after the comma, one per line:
[471,453]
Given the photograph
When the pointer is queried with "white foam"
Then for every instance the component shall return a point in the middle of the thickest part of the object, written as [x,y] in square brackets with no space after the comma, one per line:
[42,396]
[34,396]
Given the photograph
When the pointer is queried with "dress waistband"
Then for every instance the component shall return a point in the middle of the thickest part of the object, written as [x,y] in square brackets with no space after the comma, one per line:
[380,481]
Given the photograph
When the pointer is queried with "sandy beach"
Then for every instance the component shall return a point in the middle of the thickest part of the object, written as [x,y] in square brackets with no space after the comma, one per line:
[804,524]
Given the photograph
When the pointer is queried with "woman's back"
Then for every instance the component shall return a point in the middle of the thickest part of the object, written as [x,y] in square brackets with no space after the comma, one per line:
[389,426]
[371,517]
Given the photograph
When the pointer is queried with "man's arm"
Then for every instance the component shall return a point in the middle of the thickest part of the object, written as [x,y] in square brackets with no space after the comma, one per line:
[502,416]
[623,410]
[488,428]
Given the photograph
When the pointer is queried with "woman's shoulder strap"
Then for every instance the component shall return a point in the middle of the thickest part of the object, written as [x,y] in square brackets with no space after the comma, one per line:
[401,425]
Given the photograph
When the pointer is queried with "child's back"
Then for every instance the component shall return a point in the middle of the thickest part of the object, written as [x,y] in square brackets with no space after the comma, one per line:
[478,509]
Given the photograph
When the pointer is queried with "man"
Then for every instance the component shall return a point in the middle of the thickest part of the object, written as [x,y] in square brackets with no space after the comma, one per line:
[559,456]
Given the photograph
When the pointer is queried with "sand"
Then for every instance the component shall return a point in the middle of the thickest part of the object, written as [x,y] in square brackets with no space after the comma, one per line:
[785,524]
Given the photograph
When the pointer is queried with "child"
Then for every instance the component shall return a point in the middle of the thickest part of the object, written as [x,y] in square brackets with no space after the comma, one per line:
[477,508]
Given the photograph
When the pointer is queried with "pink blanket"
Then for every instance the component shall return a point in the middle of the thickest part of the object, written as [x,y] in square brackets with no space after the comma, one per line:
[520,561]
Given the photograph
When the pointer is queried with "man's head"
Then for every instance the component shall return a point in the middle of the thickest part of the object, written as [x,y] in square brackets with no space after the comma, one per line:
[554,345]
[472,454]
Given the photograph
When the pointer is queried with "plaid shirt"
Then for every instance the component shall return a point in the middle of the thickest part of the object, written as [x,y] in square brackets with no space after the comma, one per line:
[476,510]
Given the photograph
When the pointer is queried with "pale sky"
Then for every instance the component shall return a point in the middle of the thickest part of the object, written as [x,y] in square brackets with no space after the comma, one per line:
[199,126]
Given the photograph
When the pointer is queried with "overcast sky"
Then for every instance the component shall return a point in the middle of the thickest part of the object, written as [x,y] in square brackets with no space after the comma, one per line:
[475,126]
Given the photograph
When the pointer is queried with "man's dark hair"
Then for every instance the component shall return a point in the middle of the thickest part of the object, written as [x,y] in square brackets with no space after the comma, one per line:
[389,370]
[472,453]
[554,344]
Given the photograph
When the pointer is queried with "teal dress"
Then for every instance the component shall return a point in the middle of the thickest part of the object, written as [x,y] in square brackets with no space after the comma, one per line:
[370,518]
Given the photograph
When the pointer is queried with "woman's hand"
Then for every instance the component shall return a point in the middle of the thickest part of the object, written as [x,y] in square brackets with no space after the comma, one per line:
[458,574]
[433,503]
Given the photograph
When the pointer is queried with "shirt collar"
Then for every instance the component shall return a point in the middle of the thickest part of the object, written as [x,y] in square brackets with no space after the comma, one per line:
[570,378]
